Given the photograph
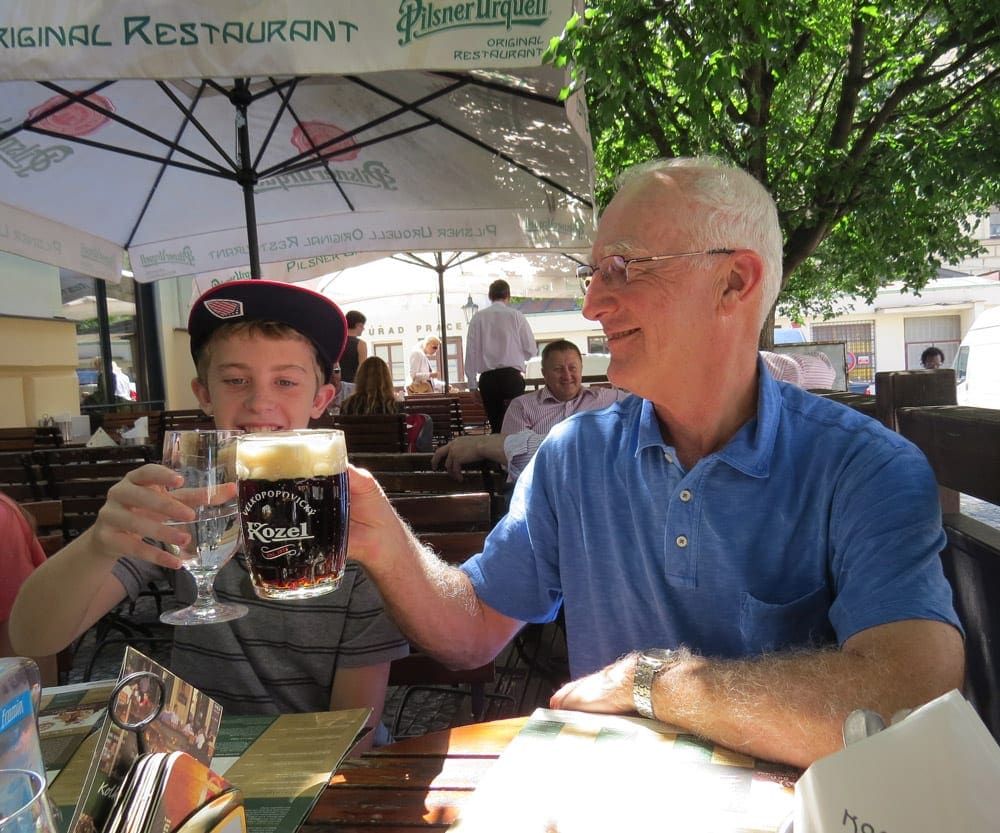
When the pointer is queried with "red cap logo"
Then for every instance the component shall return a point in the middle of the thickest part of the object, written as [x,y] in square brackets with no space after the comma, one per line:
[224,308]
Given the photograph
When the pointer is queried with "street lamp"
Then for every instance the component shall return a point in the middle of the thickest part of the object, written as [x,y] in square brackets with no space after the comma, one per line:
[470,308]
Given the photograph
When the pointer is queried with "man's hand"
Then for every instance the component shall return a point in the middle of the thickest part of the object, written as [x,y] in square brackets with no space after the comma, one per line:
[472,449]
[608,691]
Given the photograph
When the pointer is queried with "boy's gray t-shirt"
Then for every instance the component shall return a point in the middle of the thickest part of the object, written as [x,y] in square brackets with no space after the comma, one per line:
[281,656]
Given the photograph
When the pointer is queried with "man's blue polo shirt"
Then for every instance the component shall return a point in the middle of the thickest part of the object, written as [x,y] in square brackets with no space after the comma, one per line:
[812,524]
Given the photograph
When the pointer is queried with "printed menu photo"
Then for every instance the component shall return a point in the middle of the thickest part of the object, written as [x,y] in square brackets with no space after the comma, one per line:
[180,719]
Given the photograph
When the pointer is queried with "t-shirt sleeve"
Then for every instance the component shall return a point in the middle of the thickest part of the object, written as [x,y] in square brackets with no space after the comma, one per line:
[19,556]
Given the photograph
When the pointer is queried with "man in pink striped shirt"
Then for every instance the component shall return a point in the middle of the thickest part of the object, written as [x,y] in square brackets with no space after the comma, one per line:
[562,396]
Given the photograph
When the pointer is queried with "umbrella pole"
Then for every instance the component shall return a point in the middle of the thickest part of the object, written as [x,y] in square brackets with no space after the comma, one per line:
[246,175]
[439,267]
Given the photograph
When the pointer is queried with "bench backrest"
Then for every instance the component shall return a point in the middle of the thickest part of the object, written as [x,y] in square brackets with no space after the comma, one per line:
[445,411]
[963,447]
[369,433]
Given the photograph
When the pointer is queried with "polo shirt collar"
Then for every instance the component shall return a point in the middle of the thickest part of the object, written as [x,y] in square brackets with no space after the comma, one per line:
[750,450]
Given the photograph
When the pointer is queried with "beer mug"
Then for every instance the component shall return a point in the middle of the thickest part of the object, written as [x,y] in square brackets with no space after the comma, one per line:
[294,508]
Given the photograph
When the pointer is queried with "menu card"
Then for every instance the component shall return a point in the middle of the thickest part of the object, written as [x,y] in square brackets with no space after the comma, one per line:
[280,763]
[188,721]
[574,772]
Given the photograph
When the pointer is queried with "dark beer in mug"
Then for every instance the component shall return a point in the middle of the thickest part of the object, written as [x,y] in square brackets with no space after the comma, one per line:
[294,509]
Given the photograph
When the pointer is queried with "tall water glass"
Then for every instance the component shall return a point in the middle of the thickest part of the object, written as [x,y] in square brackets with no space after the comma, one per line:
[207,460]
[295,509]
[24,803]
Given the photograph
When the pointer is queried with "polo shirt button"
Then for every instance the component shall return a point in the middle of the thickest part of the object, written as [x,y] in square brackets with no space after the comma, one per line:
[685,495]
[682,541]
[667,457]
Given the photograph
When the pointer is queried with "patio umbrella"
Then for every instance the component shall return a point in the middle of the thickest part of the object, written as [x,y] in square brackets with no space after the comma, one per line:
[204,137]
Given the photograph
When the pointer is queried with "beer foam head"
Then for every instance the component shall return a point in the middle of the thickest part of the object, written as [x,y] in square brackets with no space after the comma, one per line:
[291,454]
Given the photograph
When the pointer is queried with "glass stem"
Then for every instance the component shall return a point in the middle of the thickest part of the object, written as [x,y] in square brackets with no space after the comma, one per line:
[206,594]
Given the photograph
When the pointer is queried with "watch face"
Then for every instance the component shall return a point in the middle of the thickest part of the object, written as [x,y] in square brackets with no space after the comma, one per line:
[659,654]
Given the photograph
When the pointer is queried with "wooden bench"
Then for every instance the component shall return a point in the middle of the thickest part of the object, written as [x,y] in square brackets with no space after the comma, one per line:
[48,515]
[115,423]
[81,477]
[392,461]
[369,433]
[963,447]
[432,518]
[469,512]
[30,437]
[474,419]
[444,410]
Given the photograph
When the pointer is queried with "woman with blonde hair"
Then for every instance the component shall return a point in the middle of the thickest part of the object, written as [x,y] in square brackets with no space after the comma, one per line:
[373,391]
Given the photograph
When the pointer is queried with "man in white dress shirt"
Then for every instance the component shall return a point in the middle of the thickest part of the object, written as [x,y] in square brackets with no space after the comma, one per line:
[499,344]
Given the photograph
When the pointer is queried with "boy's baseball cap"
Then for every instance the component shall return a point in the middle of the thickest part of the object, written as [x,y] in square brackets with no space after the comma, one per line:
[315,316]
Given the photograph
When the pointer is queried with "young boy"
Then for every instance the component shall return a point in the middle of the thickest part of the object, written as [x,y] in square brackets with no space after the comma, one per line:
[264,352]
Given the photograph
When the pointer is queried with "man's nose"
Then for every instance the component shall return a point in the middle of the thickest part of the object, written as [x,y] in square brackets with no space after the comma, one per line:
[599,300]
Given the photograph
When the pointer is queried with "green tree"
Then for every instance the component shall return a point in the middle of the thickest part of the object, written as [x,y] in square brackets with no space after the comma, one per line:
[875,127]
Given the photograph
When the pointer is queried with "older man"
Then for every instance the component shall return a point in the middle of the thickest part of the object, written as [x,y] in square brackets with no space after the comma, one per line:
[562,396]
[733,555]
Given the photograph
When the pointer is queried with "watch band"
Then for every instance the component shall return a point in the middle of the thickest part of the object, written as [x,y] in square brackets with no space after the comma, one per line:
[648,665]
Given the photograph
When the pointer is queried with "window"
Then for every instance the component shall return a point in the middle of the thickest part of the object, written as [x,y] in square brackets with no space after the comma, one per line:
[941,331]
[597,344]
[392,354]
[859,338]
[456,360]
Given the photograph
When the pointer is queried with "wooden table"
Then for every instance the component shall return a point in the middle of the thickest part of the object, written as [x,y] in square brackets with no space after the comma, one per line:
[418,783]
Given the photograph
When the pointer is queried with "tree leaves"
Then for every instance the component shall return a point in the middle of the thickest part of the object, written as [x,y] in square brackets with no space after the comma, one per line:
[874,126]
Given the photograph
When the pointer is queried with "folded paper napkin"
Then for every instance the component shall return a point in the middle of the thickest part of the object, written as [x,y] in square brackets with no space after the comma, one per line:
[138,431]
[937,769]
[100,438]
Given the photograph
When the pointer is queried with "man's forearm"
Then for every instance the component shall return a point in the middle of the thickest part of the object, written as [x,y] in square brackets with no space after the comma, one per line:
[433,603]
[791,706]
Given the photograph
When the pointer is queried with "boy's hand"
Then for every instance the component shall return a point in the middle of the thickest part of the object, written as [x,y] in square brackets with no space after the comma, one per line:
[138,506]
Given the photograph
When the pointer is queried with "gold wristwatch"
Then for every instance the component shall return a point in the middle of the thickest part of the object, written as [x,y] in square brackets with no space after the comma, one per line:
[649,663]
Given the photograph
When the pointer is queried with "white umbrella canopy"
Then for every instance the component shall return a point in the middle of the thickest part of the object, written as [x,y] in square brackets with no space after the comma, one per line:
[539,274]
[353,128]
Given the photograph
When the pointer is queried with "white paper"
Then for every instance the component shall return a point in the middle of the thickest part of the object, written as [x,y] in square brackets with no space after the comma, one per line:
[100,439]
[936,770]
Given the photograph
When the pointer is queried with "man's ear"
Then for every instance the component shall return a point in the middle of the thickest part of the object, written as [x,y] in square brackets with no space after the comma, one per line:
[324,396]
[744,280]
[202,395]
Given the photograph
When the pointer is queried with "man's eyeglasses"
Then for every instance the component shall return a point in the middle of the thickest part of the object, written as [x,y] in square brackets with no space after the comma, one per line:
[615,268]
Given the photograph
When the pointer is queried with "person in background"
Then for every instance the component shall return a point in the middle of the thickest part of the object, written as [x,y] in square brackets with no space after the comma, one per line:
[342,390]
[123,385]
[264,352]
[373,390]
[20,554]
[355,350]
[513,450]
[562,395]
[932,358]
[424,378]
[497,349]
[733,555]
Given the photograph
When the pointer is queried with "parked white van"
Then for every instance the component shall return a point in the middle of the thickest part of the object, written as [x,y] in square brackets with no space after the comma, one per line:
[977,365]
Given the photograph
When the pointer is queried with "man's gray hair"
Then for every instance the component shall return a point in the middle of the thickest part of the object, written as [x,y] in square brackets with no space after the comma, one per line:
[739,212]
